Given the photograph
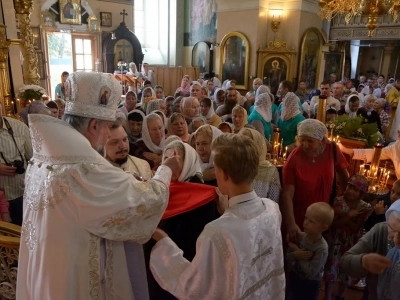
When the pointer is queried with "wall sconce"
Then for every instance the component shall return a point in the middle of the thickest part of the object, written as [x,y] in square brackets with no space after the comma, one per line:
[113,37]
[275,21]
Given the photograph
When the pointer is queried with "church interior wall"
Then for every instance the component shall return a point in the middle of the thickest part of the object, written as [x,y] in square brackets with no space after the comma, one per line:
[370,60]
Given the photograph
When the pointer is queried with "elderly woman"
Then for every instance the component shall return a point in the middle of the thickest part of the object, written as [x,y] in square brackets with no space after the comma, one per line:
[204,137]
[290,117]
[189,209]
[309,174]
[261,116]
[377,256]
[196,123]
[177,126]
[219,96]
[151,146]
[148,94]
[368,112]
[267,183]
[190,108]
[379,107]
[196,90]
[135,122]
[207,111]
[239,118]
[184,89]
[130,102]
[157,104]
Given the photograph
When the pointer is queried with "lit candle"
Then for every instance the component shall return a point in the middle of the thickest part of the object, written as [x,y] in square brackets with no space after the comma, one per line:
[362,169]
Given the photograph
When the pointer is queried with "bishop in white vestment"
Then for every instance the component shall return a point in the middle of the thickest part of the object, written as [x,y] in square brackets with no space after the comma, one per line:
[79,209]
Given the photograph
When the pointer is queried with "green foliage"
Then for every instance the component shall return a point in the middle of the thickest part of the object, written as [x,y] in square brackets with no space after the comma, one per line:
[355,128]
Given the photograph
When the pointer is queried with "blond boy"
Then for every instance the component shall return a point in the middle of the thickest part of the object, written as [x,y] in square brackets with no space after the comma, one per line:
[239,255]
[309,257]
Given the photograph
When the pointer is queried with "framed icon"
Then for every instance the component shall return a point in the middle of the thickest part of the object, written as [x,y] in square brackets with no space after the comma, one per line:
[70,12]
[105,19]
[48,19]
[93,23]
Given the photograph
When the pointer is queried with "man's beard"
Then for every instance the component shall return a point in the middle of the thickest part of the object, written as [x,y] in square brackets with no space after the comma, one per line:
[121,161]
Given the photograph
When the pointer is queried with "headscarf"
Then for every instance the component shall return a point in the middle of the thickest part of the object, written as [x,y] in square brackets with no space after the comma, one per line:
[366,98]
[347,107]
[193,84]
[163,117]
[171,138]
[186,106]
[267,172]
[226,123]
[262,105]
[185,88]
[381,101]
[191,166]
[360,182]
[262,89]
[158,149]
[216,93]
[36,107]
[312,128]
[153,105]
[146,101]
[237,128]
[137,111]
[290,106]
[135,72]
[215,133]
[224,84]
[388,281]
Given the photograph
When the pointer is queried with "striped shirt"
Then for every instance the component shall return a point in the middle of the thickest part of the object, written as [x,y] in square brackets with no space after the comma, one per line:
[13,186]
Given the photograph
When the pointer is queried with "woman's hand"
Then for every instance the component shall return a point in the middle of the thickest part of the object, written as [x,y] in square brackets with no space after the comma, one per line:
[293,233]
[159,234]
[209,174]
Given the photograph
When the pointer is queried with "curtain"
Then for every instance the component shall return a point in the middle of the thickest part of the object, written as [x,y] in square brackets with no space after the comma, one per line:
[170,77]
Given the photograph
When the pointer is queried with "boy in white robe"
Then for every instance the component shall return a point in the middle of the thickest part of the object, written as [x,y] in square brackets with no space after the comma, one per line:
[239,255]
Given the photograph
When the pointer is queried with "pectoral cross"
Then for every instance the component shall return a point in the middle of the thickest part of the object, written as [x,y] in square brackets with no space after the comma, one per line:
[123,14]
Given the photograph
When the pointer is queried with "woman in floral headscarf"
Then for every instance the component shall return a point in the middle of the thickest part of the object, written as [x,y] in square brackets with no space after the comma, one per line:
[309,174]
[261,116]
[290,117]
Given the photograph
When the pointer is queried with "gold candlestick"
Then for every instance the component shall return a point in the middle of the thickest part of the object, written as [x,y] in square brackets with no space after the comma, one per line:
[321,112]
[275,144]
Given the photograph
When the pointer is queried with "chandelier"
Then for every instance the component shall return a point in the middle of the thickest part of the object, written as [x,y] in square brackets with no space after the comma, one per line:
[351,8]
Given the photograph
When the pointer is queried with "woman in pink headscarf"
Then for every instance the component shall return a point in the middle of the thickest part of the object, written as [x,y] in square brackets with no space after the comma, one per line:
[184,89]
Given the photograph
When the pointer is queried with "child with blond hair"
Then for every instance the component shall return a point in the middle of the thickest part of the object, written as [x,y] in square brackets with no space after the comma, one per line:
[308,258]
[239,255]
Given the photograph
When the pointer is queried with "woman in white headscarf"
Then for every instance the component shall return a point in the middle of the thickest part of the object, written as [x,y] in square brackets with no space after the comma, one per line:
[207,111]
[190,207]
[204,137]
[290,117]
[310,169]
[353,103]
[151,145]
[267,183]
[261,116]
[157,104]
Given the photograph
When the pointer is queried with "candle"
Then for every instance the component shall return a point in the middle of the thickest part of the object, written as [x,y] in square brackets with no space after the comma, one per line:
[362,169]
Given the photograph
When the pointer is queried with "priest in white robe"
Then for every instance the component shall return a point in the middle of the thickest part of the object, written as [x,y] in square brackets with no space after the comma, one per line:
[78,208]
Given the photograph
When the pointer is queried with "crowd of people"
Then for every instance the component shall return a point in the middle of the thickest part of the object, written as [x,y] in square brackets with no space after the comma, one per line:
[191,172]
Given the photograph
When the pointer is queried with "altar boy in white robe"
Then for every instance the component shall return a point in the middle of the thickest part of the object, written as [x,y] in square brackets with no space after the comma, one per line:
[78,208]
[239,255]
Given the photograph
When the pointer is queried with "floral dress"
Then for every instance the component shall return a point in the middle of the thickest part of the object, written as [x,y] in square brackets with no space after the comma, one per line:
[341,240]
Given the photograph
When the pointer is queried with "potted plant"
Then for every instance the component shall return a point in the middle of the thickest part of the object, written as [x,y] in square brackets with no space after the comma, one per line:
[29,93]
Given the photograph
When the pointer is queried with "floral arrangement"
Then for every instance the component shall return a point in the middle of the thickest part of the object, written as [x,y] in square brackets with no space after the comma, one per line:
[31,92]
[355,128]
